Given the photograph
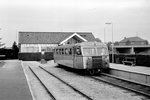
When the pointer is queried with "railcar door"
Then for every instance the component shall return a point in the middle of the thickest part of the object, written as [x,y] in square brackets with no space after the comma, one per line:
[70,57]
[78,58]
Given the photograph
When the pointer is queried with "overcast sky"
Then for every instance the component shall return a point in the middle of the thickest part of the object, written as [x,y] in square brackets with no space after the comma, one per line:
[129,18]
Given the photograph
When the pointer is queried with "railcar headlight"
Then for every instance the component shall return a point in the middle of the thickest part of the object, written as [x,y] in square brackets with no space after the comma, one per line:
[106,58]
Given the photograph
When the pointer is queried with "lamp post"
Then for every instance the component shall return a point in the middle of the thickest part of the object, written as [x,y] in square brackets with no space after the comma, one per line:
[104,36]
[112,42]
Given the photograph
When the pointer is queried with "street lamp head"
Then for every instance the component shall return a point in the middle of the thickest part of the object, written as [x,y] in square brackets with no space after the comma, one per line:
[107,23]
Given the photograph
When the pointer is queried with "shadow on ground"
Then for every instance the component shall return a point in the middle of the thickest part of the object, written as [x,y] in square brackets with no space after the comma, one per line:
[2,63]
[81,72]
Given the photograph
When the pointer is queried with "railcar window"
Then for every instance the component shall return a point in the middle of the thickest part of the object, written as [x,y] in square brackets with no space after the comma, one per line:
[56,51]
[102,51]
[99,51]
[88,51]
[78,51]
[59,51]
[66,51]
[70,51]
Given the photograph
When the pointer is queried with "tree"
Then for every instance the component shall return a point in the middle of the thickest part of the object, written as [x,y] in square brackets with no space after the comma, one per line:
[1,44]
[109,45]
[116,43]
[15,50]
[128,42]
[97,40]
[147,42]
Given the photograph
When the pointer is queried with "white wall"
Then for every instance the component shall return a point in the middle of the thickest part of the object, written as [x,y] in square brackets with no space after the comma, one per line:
[37,47]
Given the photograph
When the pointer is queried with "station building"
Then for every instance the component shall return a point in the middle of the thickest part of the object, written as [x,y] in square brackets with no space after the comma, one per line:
[134,50]
[132,45]
[31,44]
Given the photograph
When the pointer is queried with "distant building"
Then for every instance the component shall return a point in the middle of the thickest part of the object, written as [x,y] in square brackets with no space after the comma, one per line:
[132,45]
[133,41]
[37,42]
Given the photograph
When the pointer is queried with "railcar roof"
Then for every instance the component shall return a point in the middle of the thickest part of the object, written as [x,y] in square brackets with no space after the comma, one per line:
[91,44]
[85,44]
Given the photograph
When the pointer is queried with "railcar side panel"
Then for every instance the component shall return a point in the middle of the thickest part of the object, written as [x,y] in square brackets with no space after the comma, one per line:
[68,60]
[78,62]
[64,60]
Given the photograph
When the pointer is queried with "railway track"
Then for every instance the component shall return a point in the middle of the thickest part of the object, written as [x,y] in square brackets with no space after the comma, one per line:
[50,94]
[123,83]
[139,88]
[47,90]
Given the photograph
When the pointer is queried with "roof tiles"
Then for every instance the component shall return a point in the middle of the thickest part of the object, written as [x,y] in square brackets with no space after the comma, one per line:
[50,37]
[133,39]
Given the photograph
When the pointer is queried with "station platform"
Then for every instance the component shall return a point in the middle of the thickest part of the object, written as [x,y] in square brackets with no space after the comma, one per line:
[135,69]
[13,84]
[136,73]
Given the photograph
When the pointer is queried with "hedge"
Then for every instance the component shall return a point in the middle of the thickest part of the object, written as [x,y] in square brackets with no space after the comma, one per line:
[35,56]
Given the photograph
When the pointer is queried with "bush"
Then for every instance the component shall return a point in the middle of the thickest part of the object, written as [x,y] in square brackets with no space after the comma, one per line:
[29,56]
[143,60]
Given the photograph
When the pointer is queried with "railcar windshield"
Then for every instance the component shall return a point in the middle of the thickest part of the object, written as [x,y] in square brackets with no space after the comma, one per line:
[102,51]
[96,51]
[88,51]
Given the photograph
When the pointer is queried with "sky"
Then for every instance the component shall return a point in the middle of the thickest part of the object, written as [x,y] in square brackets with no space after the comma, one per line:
[127,18]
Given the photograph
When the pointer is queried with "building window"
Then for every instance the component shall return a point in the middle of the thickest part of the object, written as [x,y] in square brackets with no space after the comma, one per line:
[68,42]
[29,49]
[47,48]
[83,35]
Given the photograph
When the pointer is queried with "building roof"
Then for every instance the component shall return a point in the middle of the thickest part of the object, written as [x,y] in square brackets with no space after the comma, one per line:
[132,46]
[50,37]
[73,35]
[133,39]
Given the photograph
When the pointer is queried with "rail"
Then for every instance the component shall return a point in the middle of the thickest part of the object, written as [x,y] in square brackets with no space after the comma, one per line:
[50,94]
[123,83]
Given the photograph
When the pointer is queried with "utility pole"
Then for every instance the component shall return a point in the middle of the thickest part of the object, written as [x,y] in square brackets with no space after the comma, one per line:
[112,42]
[104,35]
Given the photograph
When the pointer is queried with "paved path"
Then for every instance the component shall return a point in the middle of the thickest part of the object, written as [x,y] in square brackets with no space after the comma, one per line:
[13,84]
[135,69]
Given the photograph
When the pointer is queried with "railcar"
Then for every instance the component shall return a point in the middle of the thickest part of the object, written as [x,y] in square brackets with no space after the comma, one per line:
[93,57]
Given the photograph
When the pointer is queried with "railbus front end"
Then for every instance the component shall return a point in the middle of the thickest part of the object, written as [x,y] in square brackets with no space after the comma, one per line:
[92,57]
